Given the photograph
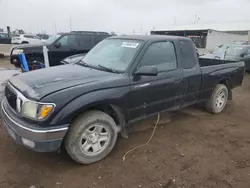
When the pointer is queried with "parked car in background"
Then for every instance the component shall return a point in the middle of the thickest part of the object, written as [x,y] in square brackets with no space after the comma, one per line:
[43,36]
[217,53]
[4,38]
[84,106]
[59,47]
[232,52]
[26,39]
[242,42]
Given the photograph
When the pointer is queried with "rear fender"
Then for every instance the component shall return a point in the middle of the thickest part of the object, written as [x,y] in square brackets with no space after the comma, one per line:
[227,83]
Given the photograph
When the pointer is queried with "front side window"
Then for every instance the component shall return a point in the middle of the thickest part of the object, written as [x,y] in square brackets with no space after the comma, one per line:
[64,41]
[52,39]
[160,54]
[3,35]
[115,54]
[82,41]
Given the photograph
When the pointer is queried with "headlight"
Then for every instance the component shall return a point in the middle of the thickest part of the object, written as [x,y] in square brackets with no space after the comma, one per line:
[36,110]
[17,51]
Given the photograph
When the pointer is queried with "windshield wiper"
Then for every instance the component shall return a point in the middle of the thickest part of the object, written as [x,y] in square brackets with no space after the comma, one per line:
[82,63]
[108,69]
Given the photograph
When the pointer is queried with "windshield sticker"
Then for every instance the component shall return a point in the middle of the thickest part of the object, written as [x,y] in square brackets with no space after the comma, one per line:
[130,44]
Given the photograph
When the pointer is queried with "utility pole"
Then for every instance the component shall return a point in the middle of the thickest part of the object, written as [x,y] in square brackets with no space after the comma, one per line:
[55,28]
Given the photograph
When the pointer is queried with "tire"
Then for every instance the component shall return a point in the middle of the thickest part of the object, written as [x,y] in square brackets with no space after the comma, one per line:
[80,142]
[217,102]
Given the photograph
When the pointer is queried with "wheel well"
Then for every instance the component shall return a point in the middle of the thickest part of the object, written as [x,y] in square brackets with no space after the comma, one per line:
[107,109]
[112,110]
[226,83]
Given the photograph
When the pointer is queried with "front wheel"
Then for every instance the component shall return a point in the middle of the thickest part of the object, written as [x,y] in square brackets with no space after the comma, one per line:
[218,99]
[91,137]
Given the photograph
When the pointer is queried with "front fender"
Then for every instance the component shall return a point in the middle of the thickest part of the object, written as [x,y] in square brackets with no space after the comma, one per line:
[114,96]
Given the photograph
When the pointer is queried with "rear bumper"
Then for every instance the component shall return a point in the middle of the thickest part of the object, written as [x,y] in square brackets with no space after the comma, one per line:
[31,136]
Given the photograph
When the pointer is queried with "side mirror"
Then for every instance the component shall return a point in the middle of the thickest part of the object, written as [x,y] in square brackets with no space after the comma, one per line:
[147,71]
[58,45]
[242,55]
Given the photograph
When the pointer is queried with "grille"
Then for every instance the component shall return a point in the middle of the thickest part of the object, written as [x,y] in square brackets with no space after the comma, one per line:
[11,97]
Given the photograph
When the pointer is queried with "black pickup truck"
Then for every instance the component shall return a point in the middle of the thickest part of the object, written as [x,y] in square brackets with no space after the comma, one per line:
[85,105]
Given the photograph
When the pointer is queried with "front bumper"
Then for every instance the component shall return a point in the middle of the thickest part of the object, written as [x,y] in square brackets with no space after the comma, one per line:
[34,137]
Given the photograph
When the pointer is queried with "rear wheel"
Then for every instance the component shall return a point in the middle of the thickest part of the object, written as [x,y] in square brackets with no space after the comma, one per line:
[91,137]
[218,99]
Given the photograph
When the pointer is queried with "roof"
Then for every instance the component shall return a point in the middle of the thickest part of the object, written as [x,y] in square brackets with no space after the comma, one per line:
[150,37]
[228,26]
[90,32]
[84,32]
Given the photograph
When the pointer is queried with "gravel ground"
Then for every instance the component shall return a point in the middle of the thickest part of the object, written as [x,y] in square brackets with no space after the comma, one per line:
[193,147]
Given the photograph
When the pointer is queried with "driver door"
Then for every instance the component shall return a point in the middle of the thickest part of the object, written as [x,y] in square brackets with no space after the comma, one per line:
[153,94]
[60,49]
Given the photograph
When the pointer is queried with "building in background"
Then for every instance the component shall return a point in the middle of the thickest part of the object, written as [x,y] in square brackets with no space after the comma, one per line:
[209,36]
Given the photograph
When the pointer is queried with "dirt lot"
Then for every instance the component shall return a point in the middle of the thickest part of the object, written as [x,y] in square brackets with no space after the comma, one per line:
[195,148]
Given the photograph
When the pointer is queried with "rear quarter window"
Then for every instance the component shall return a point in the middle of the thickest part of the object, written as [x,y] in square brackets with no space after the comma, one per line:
[188,54]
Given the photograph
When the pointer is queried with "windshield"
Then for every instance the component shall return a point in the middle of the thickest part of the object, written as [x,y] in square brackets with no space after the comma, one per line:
[52,39]
[234,50]
[114,54]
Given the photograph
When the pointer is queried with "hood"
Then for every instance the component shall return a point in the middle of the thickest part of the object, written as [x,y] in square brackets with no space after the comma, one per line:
[39,83]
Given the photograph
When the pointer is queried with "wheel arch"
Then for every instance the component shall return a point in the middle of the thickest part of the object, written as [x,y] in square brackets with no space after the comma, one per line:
[226,82]
[112,110]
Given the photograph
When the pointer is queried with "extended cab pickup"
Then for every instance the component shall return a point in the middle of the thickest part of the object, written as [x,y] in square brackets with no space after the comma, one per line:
[85,105]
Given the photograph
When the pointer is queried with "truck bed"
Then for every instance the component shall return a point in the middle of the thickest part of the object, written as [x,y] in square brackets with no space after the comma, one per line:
[220,71]
[210,62]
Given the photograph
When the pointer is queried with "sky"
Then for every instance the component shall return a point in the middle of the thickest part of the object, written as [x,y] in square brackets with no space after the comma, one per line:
[120,16]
